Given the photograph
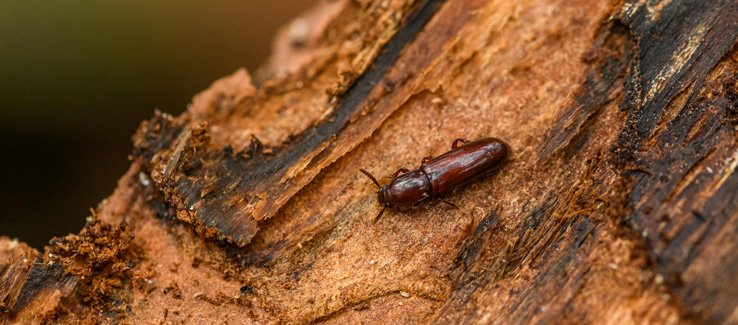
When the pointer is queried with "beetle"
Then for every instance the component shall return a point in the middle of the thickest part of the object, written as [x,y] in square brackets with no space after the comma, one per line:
[442,174]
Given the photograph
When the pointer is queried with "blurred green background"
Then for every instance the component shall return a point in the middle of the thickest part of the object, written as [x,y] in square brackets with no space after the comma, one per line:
[77,77]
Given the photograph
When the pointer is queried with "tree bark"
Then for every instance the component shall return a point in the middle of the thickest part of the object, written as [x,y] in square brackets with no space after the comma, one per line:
[620,202]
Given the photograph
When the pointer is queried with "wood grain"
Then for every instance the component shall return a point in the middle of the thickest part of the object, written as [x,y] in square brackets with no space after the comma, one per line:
[618,205]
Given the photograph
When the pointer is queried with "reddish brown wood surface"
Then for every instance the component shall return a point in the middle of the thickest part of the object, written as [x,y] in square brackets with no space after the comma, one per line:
[619,204]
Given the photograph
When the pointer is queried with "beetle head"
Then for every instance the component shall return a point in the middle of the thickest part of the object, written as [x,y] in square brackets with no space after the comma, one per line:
[383,196]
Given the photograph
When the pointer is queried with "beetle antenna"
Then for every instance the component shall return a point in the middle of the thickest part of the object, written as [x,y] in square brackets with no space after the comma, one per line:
[379,215]
[370,177]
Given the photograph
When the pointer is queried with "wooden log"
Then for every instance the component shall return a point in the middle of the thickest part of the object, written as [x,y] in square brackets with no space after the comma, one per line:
[620,203]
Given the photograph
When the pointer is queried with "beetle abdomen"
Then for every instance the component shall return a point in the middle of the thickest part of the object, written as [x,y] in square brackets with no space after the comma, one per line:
[465,164]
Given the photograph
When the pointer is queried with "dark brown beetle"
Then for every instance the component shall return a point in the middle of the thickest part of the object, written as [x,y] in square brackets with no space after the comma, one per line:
[439,175]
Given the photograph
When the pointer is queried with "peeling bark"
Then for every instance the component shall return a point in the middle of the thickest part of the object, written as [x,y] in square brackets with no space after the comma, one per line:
[620,202]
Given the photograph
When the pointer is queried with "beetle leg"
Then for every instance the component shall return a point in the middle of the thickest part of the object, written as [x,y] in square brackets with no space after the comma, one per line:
[456,142]
[401,170]
[425,160]
[449,203]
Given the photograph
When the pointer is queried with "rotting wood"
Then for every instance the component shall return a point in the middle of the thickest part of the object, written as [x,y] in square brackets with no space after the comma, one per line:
[619,203]
[253,183]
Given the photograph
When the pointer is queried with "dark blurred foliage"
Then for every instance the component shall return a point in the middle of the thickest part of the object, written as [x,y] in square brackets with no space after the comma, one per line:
[77,77]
